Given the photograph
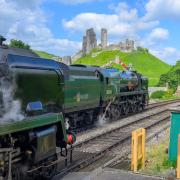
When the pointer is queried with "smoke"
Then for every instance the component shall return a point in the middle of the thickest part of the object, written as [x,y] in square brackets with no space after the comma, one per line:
[101,120]
[10,109]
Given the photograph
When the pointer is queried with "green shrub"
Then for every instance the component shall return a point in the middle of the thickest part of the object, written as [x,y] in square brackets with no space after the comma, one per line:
[169,93]
[19,44]
[167,164]
[158,94]
[172,77]
[141,49]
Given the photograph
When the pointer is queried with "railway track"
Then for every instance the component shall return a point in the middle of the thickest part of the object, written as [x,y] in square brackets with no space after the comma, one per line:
[96,131]
[120,158]
[150,106]
[92,149]
[153,105]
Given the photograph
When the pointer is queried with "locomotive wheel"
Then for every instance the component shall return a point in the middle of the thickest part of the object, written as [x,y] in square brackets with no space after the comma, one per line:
[113,112]
[133,108]
[120,110]
[139,107]
[116,113]
[136,106]
[107,114]
[88,119]
[125,108]
[143,106]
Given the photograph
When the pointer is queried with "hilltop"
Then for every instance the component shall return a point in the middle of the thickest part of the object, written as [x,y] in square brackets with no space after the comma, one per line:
[172,77]
[46,55]
[142,61]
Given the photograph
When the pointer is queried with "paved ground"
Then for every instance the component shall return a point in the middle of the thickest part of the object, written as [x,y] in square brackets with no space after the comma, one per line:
[107,174]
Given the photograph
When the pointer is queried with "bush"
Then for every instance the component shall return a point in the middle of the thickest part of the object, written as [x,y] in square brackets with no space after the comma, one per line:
[162,94]
[169,93]
[141,49]
[158,94]
[19,44]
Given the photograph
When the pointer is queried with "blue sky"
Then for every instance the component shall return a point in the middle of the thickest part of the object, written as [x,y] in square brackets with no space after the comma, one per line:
[57,26]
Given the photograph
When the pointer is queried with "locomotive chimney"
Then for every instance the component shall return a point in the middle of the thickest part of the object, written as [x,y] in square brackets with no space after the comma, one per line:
[1,40]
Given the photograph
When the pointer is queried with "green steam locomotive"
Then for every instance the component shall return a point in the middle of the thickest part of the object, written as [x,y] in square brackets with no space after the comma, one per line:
[33,137]
[43,100]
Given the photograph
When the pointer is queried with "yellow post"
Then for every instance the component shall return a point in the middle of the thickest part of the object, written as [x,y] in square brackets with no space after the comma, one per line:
[132,148]
[143,147]
[178,158]
[134,162]
[138,149]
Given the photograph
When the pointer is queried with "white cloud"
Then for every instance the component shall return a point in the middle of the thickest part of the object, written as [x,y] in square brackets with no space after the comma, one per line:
[26,21]
[170,54]
[73,2]
[124,12]
[163,9]
[124,22]
[57,46]
[159,34]
[156,38]
[87,20]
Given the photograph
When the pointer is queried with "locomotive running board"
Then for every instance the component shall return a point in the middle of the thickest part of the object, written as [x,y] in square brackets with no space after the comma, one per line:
[30,123]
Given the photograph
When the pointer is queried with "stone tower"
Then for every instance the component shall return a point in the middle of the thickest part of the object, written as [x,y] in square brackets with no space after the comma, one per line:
[129,45]
[84,45]
[89,41]
[103,37]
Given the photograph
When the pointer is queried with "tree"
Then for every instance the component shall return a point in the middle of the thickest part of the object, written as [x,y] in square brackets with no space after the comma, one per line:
[19,44]
[178,75]
[141,49]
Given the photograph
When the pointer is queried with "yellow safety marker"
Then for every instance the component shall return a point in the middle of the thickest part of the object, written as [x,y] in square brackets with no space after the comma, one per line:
[178,159]
[138,149]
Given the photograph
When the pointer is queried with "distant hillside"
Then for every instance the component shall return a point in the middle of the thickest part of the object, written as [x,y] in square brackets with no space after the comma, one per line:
[172,77]
[46,55]
[143,62]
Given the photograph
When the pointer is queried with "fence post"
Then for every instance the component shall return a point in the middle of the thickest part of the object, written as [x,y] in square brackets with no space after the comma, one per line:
[178,158]
[138,149]
[143,147]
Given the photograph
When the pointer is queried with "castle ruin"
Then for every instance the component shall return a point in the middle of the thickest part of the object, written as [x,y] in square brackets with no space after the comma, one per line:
[103,38]
[89,41]
[127,46]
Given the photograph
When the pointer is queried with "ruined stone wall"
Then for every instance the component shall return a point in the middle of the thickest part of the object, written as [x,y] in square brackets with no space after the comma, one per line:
[84,45]
[103,38]
[67,60]
[127,46]
[89,41]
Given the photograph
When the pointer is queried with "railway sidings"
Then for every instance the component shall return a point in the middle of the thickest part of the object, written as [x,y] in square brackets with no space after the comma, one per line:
[106,145]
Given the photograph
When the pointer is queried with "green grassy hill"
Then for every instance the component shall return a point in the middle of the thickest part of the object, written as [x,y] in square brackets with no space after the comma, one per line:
[143,62]
[45,55]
